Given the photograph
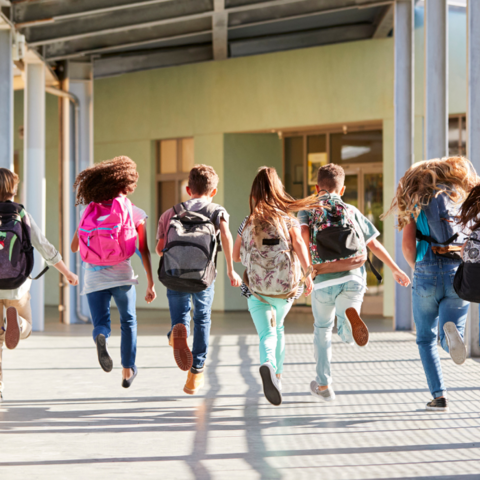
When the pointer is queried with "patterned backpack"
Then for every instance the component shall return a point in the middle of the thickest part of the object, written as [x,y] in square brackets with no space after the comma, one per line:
[333,235]
[467,275]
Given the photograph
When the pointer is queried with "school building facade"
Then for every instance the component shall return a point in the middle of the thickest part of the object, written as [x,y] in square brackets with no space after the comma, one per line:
[293,109]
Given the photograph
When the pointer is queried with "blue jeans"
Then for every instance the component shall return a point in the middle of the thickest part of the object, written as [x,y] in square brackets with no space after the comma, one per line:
[125,297]
[435,303]
[326,303]
[180,304]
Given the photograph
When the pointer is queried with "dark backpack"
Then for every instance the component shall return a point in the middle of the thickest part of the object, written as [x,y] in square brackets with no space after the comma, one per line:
[189,257]
[16,250]
[441,215]
[334,234]
[467,276]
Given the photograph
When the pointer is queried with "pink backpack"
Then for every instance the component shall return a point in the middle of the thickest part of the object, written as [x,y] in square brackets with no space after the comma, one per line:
[107,233]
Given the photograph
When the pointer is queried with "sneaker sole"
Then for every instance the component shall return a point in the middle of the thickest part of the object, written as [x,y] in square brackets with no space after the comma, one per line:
[320,398]
[12,334]
[104,358]
[456,347]
[359,329]
[436,409]
[182,354]
[189,391]
[271,392]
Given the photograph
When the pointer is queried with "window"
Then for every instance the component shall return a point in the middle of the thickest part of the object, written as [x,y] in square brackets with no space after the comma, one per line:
[457,135]
[174,160]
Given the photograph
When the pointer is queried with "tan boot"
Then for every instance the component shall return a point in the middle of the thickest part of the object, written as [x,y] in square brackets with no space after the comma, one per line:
[195,382]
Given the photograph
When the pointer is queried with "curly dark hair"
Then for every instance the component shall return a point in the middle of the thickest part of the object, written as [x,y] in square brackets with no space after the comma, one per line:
[106,180]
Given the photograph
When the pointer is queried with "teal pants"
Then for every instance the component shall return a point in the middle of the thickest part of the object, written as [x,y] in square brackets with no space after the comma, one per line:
[272,339]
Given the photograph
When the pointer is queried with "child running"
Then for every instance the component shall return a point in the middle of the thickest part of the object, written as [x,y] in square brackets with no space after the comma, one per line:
[18,233]
[270,245]
[427,202]
[338,293]
[188,244]
[108,232]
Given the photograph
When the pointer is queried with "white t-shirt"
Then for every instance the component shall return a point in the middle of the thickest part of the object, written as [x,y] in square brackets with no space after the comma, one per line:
[116,275]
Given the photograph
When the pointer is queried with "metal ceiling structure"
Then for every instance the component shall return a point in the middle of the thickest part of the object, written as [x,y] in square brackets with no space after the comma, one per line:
[121,36]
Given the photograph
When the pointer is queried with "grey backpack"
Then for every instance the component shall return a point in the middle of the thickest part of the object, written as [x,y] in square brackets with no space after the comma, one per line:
[189,257]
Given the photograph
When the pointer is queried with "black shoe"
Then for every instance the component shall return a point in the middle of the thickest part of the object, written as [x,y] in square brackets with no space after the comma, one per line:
[104,358]
[127,382]
[270,386]
[438,405]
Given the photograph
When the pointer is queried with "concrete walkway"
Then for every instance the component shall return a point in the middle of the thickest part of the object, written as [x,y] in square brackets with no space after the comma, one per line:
[64,418]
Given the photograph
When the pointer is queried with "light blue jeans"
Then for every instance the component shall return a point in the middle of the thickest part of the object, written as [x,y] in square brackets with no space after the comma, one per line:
[326,303]
[435,303]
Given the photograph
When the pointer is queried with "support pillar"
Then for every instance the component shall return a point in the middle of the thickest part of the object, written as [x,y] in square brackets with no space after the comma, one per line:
[403,118]
[473,139]
[34,177]
[436,79]
[6,98]
[80,84]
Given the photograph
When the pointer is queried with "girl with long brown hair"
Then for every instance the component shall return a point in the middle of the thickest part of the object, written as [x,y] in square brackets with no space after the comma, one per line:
[270,238]
[426,203]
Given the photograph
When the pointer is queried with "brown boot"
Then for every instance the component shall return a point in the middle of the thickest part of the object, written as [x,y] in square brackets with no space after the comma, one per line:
[12,332]
[181,352]
[195,382]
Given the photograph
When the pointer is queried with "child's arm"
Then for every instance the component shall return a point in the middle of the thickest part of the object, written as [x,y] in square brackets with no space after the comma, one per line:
[333,267]
[236,249]
[227,245]
[160,246]
[409,243]
[147,264]
[303,254]
[70,276]
[381,253]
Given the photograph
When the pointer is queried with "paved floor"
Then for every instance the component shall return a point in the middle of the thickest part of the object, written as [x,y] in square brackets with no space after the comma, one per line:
[64,418]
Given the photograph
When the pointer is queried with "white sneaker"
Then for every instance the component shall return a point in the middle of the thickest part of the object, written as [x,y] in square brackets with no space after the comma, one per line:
[279,383]
[327,395]
[456,347]
[270,384]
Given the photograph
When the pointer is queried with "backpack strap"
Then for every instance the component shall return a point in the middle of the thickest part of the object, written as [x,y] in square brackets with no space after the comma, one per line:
[43,272]
[374,270]
[180,208]
[430,239]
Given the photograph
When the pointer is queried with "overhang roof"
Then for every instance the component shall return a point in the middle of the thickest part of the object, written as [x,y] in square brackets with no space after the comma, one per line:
[121,36]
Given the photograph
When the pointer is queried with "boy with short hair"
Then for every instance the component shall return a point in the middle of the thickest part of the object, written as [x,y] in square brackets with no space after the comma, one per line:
[17,325]
[202,187]
[340,293]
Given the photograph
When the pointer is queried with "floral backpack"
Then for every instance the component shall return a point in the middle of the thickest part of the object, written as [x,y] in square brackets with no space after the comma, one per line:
[272,267]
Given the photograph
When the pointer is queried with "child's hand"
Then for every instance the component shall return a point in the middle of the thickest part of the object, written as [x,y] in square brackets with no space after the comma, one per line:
[235,279]
[151,294]
[72,278]
[401,277]
[308,286]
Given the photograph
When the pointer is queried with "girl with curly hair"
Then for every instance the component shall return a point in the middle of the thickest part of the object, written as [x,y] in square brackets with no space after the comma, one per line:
[101,184]
[427,203]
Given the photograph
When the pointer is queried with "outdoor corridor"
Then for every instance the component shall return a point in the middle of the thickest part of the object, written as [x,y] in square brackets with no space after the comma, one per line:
[64,418]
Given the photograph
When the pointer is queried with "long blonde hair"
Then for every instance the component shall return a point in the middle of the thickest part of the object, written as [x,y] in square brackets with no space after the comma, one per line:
[270,203]
[454,176]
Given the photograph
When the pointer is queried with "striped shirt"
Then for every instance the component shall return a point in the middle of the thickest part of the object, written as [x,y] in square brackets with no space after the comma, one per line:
[293,223]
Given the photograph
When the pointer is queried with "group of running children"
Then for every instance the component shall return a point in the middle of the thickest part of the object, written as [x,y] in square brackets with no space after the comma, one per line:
[320,252]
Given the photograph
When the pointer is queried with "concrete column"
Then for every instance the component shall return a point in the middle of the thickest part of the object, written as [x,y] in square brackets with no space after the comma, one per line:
[403,118]
[436,79]
[34,168]
[6,99]
[80,84]
[473,138]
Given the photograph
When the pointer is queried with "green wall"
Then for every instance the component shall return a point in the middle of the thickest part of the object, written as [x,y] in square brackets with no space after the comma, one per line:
[244,153]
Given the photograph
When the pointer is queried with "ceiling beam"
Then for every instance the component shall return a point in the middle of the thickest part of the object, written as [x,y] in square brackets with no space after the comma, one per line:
[127,63]
[384,23]
[195,37]
[220,31]
[309,38]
